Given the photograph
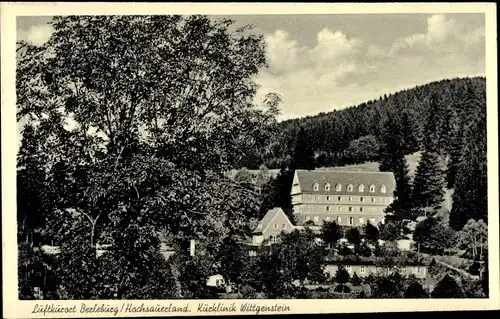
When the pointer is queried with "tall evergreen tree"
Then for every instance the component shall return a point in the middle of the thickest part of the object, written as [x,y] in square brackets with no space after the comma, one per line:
[428,186]
[303,155]
[393,160]
[276,193]
[409,134]
[470,199]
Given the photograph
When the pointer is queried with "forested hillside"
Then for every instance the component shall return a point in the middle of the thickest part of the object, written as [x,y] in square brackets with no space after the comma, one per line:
[443,121]
[353,135]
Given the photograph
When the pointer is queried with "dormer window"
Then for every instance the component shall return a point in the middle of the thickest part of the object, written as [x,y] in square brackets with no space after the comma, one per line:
[372,188]
[316,187]
[338,188]
[383,190]
[349,188]
[361,188]
[327,187]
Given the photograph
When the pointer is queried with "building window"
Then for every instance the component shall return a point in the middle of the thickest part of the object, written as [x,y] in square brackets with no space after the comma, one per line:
[275,226]
[340,208]
[349,188]
[350,209]
[308,218]
[362,269]
[340,198]
[383,190]
[339,219]
[284,226]
[327,218]
[361,199]
[361,188]
[351,220]
[327,187]
[327,208]
[316,187]
[361,209]
[373,199]
[403,270]
[350,198]
[338,188]
[418,270]
[372,188]
[327,197]
[348,268]
[361,220]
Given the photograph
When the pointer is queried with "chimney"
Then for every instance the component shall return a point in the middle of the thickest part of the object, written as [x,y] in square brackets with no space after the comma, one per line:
[191,247]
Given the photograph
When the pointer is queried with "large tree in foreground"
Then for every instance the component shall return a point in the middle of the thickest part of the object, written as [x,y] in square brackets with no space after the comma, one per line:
[140,116]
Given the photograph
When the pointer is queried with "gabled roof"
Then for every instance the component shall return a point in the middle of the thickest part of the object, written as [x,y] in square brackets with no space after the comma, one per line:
[307,179]
[268,218]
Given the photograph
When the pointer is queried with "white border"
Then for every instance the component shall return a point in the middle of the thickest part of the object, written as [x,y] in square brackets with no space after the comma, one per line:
[9,11]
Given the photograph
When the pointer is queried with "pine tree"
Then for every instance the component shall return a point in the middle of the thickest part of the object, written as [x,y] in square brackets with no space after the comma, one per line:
[409,134]
[303,156]
[428,186]
[470,198]
[276,193]
[392,159]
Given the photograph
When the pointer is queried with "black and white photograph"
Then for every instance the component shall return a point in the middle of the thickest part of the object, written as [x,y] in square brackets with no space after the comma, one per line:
[249,157]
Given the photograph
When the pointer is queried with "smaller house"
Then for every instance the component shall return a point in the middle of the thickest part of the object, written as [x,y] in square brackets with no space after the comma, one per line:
[271,226]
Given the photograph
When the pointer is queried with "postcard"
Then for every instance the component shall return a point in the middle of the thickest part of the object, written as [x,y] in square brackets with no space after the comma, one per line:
[189,159]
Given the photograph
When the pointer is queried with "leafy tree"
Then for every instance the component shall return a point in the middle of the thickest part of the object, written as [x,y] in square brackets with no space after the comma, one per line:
[355,280]
[362,249]
[415,290]
[344,250]
[160,108]
[371,233]
[447,288]
[331,233]
[342,276]
[303,155]
[230,257]
[432,234]
[389,231]
[244,176]
[296,257]
[474,236]
[353,236]
[388,286]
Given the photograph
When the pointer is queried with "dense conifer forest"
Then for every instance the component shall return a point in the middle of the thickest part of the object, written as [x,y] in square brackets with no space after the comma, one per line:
[353,135]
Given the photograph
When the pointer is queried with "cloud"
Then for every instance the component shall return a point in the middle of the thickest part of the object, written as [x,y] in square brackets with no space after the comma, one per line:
[36,34]
[341,70]
[443,36]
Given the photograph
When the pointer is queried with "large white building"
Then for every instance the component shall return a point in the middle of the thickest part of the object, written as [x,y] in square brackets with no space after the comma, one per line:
[349,198]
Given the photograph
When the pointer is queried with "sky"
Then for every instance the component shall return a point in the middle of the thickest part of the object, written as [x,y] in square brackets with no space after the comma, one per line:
[321,63]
